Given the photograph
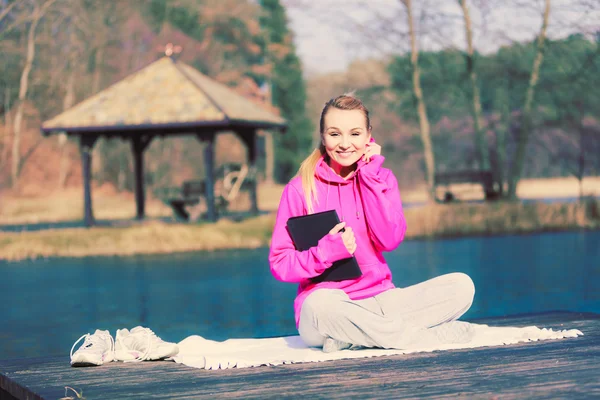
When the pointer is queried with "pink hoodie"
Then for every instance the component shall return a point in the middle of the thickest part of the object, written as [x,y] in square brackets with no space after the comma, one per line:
[371,206]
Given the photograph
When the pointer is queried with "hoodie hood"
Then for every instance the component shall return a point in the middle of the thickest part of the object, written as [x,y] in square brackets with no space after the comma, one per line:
[334,184]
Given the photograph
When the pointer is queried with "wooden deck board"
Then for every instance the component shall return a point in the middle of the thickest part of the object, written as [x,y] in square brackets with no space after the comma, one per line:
[548,369]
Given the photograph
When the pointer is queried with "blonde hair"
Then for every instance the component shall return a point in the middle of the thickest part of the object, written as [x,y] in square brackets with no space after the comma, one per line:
[346,101]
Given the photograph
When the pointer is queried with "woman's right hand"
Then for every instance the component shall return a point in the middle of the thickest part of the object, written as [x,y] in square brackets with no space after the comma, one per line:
[347,236]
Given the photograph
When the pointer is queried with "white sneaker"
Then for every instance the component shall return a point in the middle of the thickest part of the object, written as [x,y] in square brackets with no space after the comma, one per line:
[141,344]
[96,349]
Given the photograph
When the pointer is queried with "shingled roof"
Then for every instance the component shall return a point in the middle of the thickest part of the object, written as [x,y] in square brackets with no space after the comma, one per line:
[167,94]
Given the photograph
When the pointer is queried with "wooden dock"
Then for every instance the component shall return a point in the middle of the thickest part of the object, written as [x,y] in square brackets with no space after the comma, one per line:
[567,368]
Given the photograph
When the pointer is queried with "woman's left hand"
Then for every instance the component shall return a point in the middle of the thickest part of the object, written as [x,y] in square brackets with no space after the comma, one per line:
[371,149]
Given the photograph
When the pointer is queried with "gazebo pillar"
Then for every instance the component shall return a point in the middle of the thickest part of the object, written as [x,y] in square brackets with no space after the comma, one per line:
[209,174]
[86,144]
[248,136]
[138,145]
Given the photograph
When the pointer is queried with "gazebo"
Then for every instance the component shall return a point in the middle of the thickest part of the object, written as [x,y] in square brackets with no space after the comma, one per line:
[165,98]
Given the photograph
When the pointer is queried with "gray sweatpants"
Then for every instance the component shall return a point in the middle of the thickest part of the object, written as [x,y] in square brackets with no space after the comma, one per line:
[394,319]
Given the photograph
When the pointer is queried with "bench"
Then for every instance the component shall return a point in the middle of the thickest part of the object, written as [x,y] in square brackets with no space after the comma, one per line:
[483,178]
[230,180]
[191,194]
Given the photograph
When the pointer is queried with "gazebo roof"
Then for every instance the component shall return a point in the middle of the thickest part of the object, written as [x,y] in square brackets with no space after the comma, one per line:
[166,95]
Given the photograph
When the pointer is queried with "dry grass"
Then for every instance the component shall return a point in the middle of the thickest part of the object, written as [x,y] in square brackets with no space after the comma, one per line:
[108,204]
[424,222]
[68,206]
[466,219]
[554,188]
[147,238]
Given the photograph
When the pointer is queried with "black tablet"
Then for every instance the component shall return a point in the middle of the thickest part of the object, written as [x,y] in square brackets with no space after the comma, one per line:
[307,230]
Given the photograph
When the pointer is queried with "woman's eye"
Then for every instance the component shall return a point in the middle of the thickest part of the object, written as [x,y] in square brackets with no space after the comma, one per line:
[355,133]
[334,134]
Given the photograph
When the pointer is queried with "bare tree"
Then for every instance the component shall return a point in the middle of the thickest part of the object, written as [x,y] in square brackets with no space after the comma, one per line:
[4,147]
[480,138]
[39,9]
[575,152]
[76,16]
[418,93]
[527,112]
[502,131]
[7,9]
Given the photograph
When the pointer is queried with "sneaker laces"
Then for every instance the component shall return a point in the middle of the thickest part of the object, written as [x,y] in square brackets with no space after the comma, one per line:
[150,336]
[93,341]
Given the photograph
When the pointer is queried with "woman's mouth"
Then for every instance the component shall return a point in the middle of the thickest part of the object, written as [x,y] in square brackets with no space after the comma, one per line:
[345,154]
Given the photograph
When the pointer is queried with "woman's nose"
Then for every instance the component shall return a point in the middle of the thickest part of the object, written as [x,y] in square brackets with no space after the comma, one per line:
[345,143]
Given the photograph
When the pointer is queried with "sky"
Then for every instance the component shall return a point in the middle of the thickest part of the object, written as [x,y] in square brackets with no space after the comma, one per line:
[329,34]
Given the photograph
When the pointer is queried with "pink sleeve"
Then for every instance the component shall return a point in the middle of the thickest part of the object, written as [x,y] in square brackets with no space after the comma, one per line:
[382,205]
[287,263]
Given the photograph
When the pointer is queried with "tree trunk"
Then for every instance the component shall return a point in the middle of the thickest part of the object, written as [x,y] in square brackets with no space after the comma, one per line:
[67,103]
[269,158]
[581,166]
[421,109]
[269,144]
[38,12]
[480,138]
[97,77]
[99,161]
[526,118]
[501,135]
[122,175]
[4,147]
[24,84]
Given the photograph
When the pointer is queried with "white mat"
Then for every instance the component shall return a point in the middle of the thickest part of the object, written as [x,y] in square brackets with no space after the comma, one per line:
[195,351]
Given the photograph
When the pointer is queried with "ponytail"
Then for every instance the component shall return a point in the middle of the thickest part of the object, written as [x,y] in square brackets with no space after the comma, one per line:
[307,174]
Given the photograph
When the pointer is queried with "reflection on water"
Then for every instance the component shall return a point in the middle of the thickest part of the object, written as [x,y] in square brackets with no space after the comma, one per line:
[47,305]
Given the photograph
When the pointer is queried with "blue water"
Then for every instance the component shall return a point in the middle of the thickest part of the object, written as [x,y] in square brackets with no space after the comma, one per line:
[46,305]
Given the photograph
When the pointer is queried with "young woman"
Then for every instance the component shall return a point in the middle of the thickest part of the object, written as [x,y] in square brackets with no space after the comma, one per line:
[345,174]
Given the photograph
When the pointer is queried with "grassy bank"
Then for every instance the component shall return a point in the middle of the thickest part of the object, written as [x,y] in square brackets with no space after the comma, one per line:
[431,221]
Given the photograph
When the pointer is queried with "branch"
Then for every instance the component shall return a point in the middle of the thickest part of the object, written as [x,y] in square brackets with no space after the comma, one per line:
[28,16]
[5,12]
[28,154]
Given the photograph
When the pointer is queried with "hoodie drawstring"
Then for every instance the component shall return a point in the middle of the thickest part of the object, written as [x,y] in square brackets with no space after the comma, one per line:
[354,184]
[354,189]
[340,200]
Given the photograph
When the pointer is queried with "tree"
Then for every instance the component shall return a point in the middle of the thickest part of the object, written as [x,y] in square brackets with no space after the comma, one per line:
[527,111]
[480,138]
[418,93]
[39,8]
[288,91]
[570,108]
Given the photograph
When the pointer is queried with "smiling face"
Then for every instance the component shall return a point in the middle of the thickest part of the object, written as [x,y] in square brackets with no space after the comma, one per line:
[345,136]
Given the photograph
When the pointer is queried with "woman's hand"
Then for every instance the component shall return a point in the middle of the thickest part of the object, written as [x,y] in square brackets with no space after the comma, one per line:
[347,236]
[371,149]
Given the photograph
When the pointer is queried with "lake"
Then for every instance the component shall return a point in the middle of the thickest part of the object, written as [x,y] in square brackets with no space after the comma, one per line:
[48,304]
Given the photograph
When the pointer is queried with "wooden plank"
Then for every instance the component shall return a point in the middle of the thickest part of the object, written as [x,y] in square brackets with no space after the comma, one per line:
[548,369]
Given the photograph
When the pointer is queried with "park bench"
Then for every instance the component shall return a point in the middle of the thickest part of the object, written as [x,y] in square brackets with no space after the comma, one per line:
[445,180]
[191,194]
[187,201]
